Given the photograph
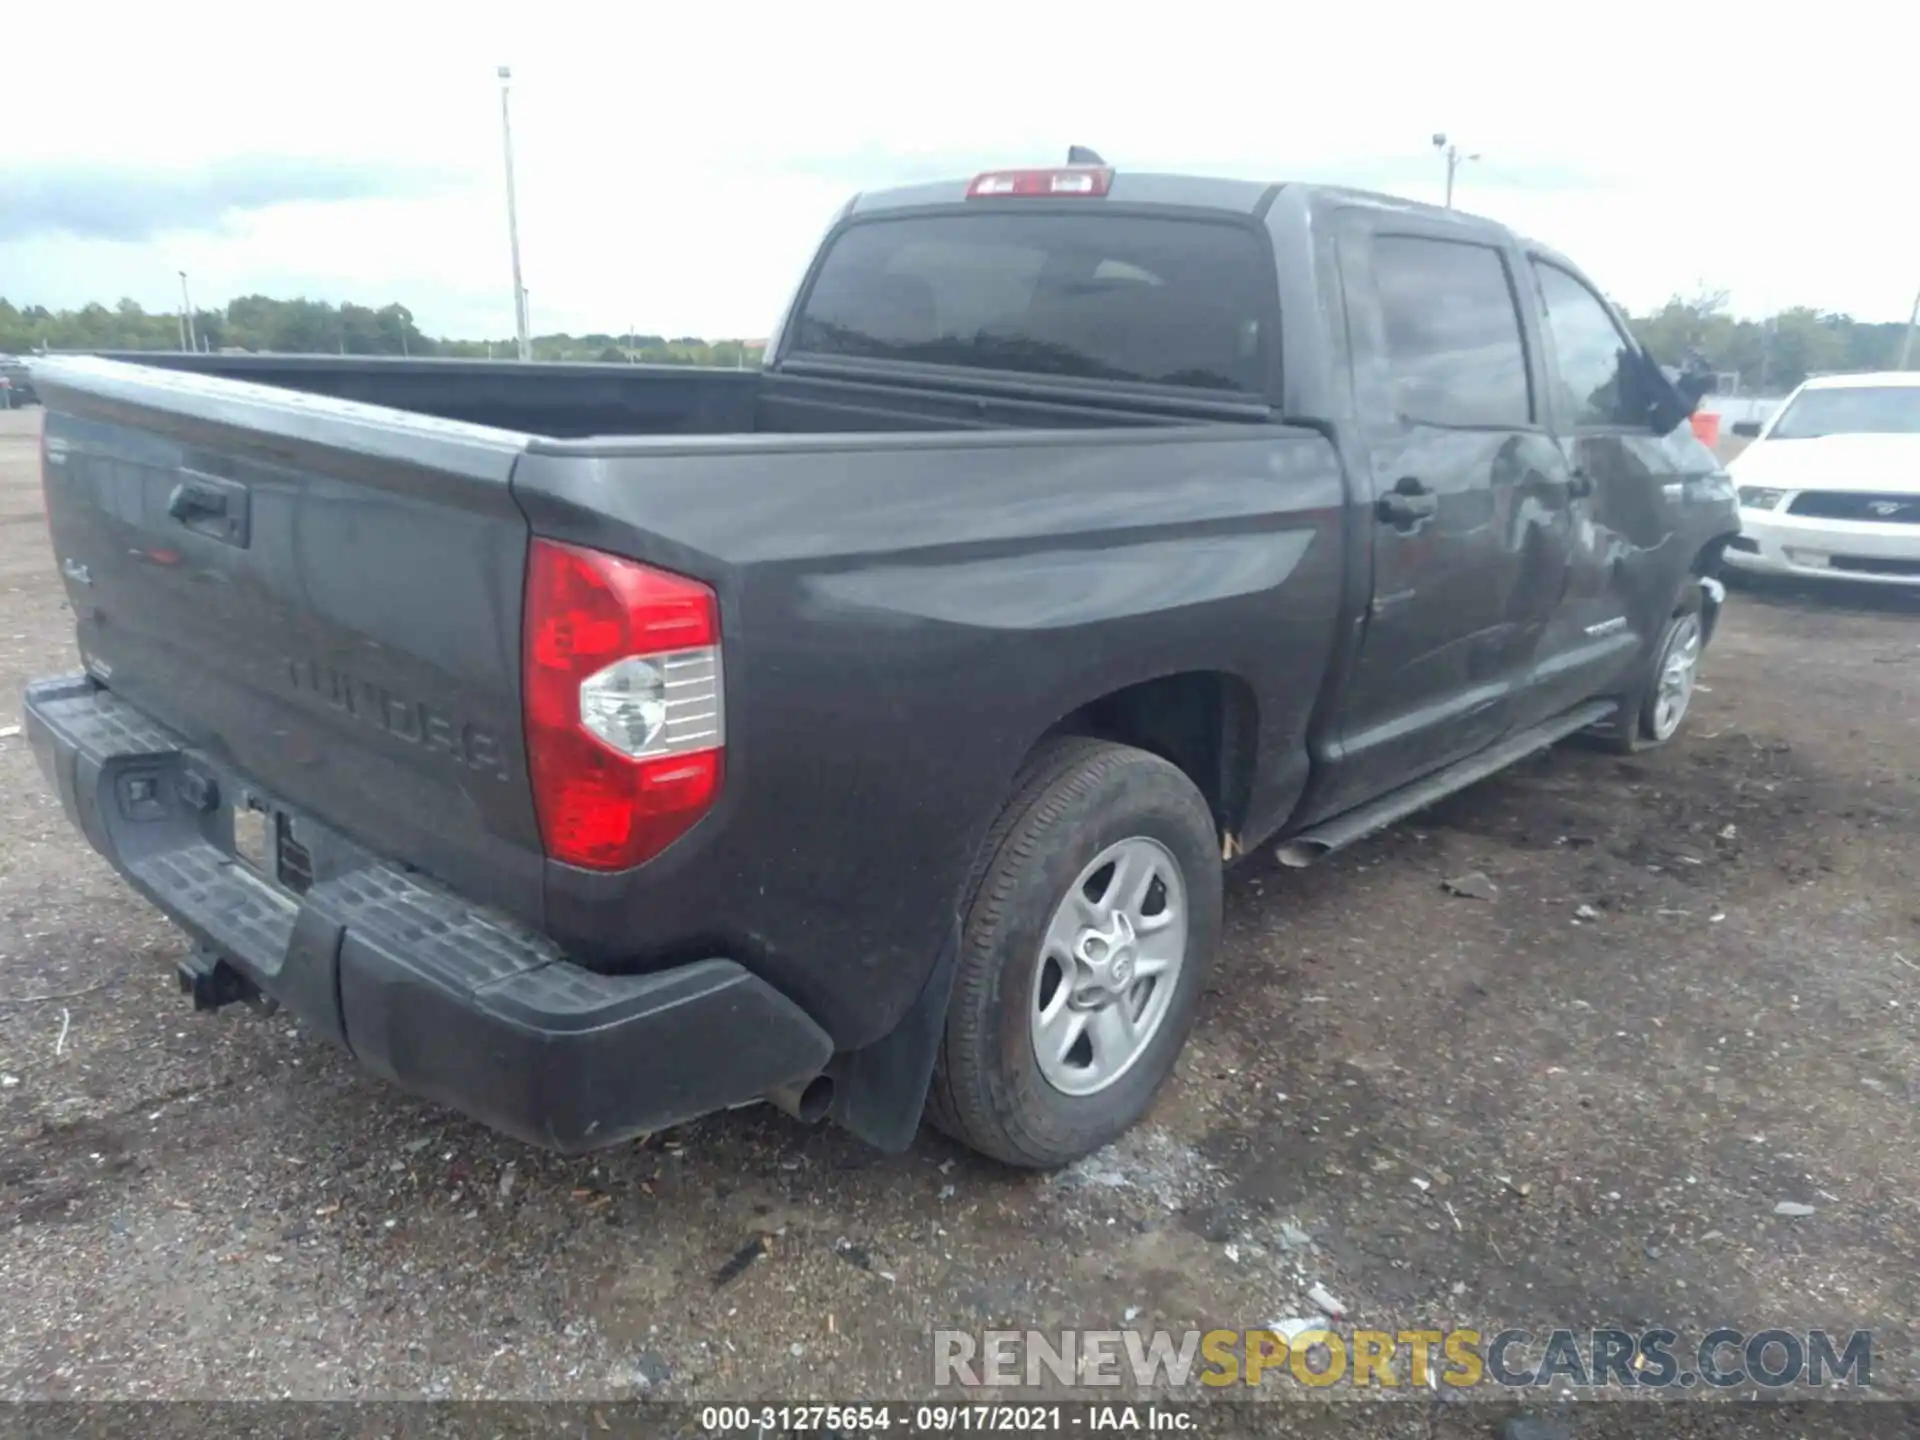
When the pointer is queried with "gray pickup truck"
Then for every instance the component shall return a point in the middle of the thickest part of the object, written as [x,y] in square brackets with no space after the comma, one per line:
[595,747]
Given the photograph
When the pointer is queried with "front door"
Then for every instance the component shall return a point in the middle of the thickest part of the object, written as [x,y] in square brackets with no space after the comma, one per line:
[1470,523]
[1627,485]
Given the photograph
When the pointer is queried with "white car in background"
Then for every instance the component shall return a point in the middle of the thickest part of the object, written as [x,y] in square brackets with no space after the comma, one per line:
[1831,484]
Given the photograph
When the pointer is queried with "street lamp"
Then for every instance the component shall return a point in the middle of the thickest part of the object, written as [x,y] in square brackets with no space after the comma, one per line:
[1454,160]
[513,220]
[188,340]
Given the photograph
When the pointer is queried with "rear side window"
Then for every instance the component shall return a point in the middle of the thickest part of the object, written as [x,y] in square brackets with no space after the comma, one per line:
[1454,349]
[1589,352]
[1113,297]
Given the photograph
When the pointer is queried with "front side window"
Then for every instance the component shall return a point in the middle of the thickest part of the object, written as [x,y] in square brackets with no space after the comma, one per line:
[1591,356]
[1454,347]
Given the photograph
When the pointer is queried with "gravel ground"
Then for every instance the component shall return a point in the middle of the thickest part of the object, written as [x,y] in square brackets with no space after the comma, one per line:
[1692,997]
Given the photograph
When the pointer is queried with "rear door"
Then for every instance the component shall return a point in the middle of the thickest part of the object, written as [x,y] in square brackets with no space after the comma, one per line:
[1469,526]
[322,596]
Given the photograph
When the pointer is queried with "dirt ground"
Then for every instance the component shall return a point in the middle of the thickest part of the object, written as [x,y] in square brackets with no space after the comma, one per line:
[1602,1106]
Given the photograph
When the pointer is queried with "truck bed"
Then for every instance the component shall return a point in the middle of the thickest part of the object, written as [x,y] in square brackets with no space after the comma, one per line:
[574,401]
[322,597]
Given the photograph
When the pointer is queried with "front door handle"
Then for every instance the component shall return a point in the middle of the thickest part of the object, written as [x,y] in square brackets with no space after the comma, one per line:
[1579,485]
[1407,504]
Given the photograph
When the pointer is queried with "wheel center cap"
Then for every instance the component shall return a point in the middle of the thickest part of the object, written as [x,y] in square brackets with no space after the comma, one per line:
[1107,956]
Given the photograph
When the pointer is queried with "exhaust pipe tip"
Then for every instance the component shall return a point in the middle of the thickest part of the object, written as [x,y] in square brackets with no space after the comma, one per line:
[807,1101]
[1299,854]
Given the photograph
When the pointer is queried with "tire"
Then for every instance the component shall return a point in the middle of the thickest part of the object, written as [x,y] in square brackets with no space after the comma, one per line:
[1078,802]
[1653,714]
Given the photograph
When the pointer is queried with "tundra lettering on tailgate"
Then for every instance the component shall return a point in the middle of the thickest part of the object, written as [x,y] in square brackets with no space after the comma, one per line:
[404,719]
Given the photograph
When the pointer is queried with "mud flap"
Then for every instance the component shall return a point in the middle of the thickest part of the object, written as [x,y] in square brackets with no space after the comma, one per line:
[880,1091]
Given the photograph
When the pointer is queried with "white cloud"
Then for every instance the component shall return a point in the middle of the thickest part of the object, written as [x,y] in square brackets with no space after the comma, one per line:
[677,162]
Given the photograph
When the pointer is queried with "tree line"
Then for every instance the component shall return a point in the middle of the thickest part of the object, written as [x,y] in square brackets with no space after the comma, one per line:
[263,324]
[1770,355]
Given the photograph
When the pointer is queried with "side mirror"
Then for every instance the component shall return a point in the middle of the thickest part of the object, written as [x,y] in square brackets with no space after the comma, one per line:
[1747,429]
[1646,392]
[1693,387]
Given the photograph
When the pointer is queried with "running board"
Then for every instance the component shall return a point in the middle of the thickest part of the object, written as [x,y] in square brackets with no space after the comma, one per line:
[1300,851]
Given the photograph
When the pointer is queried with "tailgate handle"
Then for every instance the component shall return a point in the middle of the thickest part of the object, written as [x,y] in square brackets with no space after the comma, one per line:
[211,506]
[189,500]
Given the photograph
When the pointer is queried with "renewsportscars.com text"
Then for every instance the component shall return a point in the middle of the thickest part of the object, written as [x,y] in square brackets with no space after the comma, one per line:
[1653,1359]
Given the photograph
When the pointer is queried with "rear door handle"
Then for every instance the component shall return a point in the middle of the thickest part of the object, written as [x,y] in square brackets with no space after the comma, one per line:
[1407,504]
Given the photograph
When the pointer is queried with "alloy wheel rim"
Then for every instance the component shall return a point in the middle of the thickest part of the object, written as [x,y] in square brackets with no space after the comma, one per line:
[1109,966]
[1679,667]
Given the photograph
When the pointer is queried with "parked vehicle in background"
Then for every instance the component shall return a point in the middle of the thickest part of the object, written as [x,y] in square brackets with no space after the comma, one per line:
[1831,484]
[16,383]
[591,747]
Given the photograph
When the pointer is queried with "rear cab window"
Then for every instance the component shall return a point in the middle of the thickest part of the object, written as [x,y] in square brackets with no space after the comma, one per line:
[1175,302]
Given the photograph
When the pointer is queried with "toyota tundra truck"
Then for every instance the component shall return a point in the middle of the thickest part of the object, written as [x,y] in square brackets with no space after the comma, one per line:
[589,748]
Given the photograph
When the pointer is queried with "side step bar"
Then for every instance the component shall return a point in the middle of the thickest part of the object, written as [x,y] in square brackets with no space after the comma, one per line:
[1300,851]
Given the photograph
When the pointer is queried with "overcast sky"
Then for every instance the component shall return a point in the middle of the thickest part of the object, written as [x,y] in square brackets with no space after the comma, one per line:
[678,160]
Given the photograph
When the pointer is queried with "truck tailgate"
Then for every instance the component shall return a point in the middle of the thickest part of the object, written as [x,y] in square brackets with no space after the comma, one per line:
[323,597]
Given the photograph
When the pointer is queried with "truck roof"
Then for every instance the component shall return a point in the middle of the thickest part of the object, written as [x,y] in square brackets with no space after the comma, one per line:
[1189,192]
[1237,197]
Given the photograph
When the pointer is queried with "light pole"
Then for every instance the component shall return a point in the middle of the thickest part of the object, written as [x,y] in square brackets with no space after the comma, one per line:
[188,340]
[1454,159]
[513,220]
[1906,341]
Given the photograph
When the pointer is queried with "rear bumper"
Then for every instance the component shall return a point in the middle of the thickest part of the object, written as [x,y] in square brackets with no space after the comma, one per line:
[440,995]
[1775,543]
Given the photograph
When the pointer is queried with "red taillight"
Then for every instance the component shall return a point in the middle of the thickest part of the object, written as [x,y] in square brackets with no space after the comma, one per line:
[1068,181]
[625,713]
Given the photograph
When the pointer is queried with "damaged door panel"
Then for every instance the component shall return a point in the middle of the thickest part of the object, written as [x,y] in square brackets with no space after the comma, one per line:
[1624,575]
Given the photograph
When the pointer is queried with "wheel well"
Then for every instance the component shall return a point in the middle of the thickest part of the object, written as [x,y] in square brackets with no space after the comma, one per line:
[1707,559]
[1202,721]
[1706,569]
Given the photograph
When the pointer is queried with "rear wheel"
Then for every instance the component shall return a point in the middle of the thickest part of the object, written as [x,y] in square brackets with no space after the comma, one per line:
[1086,948]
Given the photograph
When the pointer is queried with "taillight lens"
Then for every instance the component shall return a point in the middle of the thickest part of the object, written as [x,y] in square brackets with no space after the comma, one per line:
[626,726]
